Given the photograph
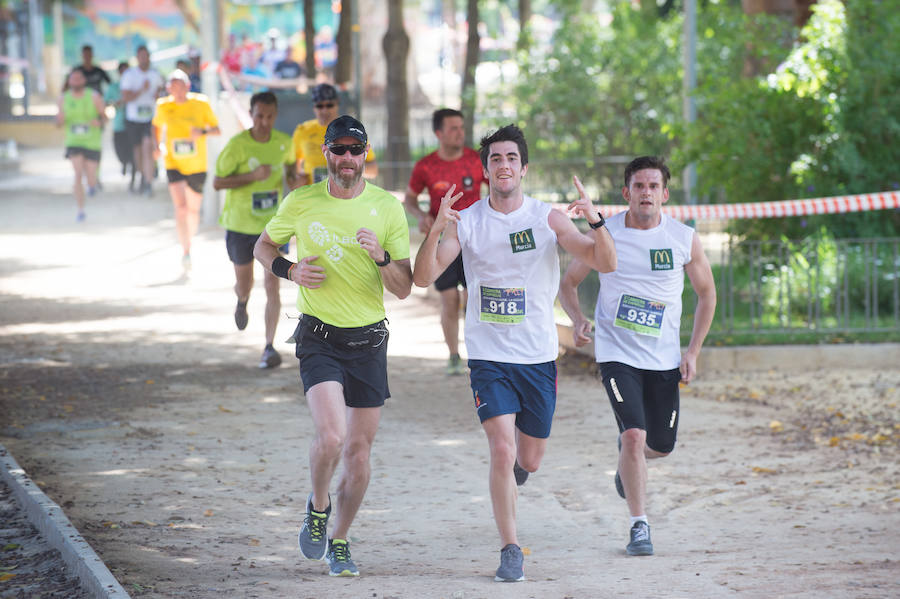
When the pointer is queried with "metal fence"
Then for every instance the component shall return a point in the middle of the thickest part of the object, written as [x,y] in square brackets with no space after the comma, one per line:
[810,286]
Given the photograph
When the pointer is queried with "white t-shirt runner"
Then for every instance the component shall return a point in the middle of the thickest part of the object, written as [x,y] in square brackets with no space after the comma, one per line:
[638,312]
[142,108]
[512,274]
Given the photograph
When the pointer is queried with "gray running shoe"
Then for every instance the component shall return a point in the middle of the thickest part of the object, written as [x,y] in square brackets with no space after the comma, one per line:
[640,540]
[338,558]
[520,473]
[240,315]
[312,538]
[270,358]
[620,488]
[511,565]
[454,365]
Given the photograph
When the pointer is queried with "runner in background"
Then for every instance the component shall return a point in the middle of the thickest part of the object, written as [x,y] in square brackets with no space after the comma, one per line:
[141,86]
[452,164]
[81,112]
[113,97]
[253,167]
[93,74]
[308,136]
[637,339]
[182,121]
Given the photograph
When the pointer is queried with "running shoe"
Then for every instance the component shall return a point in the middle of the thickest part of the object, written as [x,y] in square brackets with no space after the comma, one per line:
[640,540]
[270,358]
[312,537]
[240,315]
[80,218]
[620,488]
[511,565]
[520,473]
[91,191]
[338,558]
[186,263]
[454,365]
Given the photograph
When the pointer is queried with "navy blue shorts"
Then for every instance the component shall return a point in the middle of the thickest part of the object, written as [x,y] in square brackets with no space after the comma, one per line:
[644,399]
[526,390]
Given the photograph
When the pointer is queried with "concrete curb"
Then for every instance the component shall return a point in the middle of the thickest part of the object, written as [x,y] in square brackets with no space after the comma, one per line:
[787,358]
[52,523]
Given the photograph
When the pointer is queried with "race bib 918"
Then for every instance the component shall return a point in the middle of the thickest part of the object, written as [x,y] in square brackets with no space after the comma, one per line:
[503,305]
[643,316]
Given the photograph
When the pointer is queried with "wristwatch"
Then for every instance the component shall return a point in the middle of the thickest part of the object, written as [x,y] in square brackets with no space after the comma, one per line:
[599,223]
[387,259]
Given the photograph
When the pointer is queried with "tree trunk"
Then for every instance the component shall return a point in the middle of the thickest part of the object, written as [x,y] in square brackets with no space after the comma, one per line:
[468,92]
[309,37]
[795,11]
[344,66]
[524,41]
[188,16]
[396,51]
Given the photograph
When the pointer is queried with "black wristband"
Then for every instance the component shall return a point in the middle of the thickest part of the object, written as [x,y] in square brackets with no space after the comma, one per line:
[387,259]
[599,223]
[281,266]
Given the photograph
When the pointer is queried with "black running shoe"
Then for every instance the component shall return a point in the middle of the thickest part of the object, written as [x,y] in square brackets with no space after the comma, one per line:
[520,473]
[240,315]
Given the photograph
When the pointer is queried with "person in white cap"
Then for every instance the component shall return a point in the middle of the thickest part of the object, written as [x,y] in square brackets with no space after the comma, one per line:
[182,122]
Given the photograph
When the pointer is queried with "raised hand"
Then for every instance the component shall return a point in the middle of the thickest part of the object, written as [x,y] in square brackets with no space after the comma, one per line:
[446,213]
[583,206]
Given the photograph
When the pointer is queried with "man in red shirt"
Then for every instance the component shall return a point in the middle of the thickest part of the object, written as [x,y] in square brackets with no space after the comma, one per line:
[451,164]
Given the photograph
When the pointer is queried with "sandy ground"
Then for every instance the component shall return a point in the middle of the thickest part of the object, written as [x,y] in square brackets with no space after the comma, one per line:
[128,394]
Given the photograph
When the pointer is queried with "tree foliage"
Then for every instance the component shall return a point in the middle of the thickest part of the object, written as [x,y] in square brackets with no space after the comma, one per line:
[821,118]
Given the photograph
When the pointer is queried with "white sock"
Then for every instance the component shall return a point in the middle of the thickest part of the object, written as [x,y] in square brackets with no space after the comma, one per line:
[639,519]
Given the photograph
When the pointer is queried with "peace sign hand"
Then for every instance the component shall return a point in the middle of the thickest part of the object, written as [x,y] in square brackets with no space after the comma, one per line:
[446,213]
[583,206]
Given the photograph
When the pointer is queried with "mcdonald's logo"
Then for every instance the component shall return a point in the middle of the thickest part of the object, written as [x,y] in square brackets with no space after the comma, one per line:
[661,259]
[522,241]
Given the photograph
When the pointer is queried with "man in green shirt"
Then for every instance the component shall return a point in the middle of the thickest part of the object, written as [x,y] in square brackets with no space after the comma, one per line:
[250,169]
[353,240]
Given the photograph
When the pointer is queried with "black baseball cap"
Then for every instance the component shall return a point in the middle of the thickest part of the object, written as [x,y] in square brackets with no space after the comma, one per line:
[324,92]
[345,126]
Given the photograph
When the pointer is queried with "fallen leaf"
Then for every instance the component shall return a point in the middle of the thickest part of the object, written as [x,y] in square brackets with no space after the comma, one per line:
[741,482]
[776,426]
[150,381]
[254,542]
[224,409]
[208,513]
[761,470]
[5,577]
[526,551]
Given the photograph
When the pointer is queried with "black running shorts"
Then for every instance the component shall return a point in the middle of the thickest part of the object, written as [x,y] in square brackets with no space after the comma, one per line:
[452,277]
[92,155]
[354,357]
[644,399]
[195,180]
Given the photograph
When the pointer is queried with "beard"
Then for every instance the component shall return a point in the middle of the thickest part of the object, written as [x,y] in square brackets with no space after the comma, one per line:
[347,181]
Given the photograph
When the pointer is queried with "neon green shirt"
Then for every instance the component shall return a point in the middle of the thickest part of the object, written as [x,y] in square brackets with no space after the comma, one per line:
[79,114]
[352,294]
[248,208]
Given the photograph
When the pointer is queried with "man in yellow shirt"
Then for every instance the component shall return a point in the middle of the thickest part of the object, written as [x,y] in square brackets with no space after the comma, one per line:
[309,135]
[183,120]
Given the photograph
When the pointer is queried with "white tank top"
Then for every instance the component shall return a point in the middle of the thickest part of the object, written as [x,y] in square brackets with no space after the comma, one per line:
[638,313]
[512,273]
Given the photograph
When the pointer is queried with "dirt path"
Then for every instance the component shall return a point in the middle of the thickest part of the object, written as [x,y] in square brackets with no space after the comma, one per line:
[127,393]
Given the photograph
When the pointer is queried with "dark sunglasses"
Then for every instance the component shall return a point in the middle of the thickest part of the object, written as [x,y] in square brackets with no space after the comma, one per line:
[325,105]
[341,149]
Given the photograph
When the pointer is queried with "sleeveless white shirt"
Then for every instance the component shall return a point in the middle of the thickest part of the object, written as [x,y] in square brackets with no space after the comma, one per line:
[638,312]
[512,274]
